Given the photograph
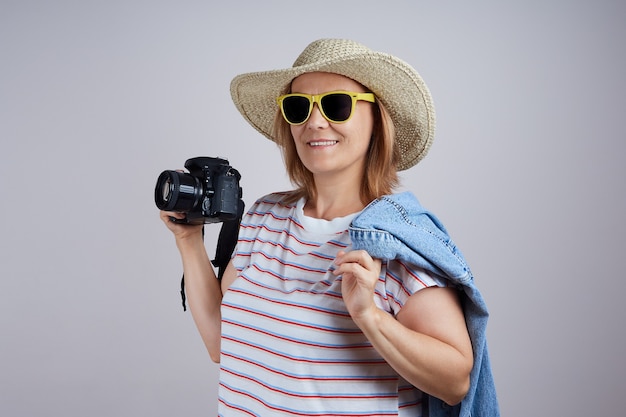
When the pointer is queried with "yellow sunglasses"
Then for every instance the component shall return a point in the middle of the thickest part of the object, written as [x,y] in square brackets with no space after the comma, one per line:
[335,106]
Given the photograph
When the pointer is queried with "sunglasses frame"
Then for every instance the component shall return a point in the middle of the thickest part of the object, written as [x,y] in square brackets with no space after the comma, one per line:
[317,98]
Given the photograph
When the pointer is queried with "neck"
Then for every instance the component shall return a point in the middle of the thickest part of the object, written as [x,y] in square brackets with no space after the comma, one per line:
[334,199]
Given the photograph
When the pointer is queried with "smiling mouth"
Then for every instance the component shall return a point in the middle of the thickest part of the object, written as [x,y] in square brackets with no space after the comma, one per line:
[322,143]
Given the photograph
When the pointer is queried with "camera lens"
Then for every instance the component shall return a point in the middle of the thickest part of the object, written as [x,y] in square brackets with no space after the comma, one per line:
[177,191]
[166,189]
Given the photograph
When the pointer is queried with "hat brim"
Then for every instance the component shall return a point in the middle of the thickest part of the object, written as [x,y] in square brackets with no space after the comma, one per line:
[394,82]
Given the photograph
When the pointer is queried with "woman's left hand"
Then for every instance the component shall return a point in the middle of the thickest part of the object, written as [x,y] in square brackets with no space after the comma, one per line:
[360,273]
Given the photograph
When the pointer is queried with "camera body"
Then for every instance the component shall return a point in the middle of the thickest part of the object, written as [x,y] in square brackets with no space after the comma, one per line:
[209,193]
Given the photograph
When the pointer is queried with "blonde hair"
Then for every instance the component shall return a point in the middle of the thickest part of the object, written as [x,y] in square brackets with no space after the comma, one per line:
[380,176]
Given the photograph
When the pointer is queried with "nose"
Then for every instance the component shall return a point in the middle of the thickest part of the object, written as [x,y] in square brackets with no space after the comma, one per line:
[316,119]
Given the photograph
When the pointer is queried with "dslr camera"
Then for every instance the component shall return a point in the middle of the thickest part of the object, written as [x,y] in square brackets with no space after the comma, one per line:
[209,193]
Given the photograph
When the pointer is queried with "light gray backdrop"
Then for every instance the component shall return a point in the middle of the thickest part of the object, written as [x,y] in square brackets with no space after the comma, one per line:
[97,98]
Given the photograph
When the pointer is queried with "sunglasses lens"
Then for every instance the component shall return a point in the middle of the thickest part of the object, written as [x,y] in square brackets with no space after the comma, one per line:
[296,109]
[337,107]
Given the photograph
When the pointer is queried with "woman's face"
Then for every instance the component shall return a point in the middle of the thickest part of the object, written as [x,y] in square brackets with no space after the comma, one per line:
[327,149]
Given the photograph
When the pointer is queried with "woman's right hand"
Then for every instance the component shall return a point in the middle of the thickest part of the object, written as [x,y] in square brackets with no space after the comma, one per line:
[181,231]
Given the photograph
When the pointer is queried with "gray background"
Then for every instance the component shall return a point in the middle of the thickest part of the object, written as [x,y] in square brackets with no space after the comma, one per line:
[97,98]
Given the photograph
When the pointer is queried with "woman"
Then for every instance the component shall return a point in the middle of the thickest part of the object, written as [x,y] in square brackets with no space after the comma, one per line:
[301,323]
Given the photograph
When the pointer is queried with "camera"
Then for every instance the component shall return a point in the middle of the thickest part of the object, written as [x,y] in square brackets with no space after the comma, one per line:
[209,193]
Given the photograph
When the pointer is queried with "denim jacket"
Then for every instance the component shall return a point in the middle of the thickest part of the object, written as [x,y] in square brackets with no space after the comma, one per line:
[398,227]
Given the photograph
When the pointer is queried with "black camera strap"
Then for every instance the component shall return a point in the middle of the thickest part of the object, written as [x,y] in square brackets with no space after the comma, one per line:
[226,242]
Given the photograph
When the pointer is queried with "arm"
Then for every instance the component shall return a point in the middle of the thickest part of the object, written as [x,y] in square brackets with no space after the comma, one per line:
[428,343]
[204,294]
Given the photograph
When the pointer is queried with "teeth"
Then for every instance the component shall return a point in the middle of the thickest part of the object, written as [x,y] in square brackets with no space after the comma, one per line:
[323,143]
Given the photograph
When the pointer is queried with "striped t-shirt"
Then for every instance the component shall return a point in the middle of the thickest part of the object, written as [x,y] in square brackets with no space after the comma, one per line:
[289,345]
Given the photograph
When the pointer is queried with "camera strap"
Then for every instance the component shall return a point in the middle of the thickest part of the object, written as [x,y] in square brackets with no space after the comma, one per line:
[226,242]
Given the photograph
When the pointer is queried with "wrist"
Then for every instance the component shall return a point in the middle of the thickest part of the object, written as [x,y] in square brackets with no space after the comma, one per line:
[368,318]
[189,241]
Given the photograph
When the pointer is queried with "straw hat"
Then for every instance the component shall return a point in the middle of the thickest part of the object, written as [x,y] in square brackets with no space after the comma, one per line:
[394,82]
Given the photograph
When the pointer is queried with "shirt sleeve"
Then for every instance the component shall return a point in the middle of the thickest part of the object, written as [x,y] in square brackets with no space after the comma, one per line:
[247,233]
[402,280]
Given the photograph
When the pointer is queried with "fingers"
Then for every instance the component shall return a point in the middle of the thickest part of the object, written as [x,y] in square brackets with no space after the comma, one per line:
[180,230]
[360,257]
[167,215]
[355,261]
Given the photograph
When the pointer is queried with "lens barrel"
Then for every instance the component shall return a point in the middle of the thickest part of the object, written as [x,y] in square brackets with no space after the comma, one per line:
[177,191]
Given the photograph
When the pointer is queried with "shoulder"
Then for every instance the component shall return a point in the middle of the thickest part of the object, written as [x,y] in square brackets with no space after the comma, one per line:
[282,200]
[277,206]
[279,197]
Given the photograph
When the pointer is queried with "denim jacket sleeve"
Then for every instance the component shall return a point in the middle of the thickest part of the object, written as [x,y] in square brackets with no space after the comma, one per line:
[398,227]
